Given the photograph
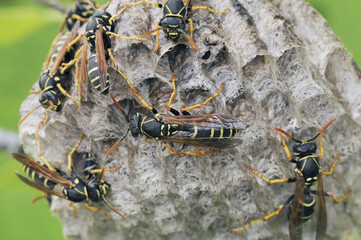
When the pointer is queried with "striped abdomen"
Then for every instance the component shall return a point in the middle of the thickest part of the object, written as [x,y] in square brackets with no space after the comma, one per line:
[94,77]
[197,131]
[60,43]
[37,178]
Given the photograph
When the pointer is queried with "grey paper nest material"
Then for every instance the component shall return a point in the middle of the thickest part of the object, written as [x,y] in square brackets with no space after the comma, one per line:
[283,67]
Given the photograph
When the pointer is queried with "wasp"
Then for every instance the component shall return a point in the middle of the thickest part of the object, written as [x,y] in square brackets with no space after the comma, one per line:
[307,172]
[73,188]
[174,19]
[98,31]
[209,130]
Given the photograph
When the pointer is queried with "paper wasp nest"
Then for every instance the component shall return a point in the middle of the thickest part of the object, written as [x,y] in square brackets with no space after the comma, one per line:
[283,67]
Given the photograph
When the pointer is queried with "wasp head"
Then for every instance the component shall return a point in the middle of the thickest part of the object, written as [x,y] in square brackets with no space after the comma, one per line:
[51,100]
[174,26]
[135,122]
[96,190]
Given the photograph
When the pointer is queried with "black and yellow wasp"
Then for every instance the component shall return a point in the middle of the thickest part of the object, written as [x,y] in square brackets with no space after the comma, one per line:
[97,36]
[209,130]
[174,19]
[73,188]
[307,172]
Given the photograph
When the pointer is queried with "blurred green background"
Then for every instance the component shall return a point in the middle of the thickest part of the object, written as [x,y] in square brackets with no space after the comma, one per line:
[27,32]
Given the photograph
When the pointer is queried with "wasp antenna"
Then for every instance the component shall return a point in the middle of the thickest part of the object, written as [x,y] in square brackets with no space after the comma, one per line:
[101,175]
[117,143]
[27,115]
[288,135]
[191,42]
[322,130]
[153,31]
[115,210]
[116,103]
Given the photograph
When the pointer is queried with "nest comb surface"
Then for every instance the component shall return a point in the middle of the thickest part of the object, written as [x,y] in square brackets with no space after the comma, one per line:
[283,67]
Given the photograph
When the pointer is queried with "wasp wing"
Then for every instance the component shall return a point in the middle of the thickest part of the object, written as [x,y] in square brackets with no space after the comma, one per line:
[206,142]
[321,211]
[296,215]
[61,53]
[205,120]
[82,75]
[41,170]
[101,60]
[38,186]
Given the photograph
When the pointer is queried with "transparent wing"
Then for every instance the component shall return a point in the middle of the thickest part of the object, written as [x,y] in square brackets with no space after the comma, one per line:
[296,215]
[41,170]
[321,211]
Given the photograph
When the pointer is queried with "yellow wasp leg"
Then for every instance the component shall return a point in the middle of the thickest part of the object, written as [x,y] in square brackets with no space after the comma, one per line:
[72,152]
[129,38]
[287,150]
[172,150]
[38,141]
[157,37]
[332,166]
[205,102]
[209,9]
[190,28]
[97,210]
[265,218]
[35,91]
[266,179]
[65,93]
[71,204]
[106,169]
[173,93]
[200,153]
[76,58]
[335,200]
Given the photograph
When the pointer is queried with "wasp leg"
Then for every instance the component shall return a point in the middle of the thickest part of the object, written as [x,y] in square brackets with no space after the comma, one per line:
[75,213]
[332,166]
[200,153]
[209,9]
[190,28]
[205,102]
[72,152]
[172,150]
[77,39]
[65,93]
[157,37]
[273,180]
[320,147]
[35,91]
[133,90]
[265,218]
[172,95]
[129,38]
[106,169]
[335,200]
[45,195]
[41,156]
[76,58]
[97,210]
[126,5]
[287,150]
